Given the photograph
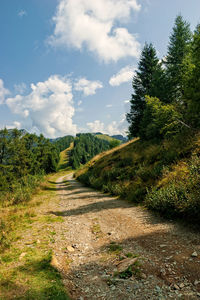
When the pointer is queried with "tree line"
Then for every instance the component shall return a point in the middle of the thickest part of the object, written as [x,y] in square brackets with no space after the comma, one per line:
[86,146]
[24,159]
[62,143]
[166,93]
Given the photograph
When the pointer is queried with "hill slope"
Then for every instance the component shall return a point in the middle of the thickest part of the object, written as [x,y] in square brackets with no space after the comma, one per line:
[105,137]
[165,176]
[109,138]
[64,159]
[86,146]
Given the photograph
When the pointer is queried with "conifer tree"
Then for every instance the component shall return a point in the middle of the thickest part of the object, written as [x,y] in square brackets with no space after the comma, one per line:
[144,83]
[192,90]
[178,48]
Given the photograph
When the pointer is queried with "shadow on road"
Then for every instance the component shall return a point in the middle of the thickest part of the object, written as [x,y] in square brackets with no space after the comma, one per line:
[97,201]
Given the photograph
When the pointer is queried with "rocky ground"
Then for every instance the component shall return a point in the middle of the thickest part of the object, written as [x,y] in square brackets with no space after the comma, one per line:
[107,248]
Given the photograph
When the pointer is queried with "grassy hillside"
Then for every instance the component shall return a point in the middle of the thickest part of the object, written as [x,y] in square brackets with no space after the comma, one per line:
[64,158]
[105,137]
[164,176]
[86,146]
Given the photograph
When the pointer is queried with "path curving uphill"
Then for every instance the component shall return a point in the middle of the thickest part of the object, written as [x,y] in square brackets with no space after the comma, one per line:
[107,248]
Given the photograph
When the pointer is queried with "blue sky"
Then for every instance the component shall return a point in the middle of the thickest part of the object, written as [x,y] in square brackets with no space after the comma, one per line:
[66,66]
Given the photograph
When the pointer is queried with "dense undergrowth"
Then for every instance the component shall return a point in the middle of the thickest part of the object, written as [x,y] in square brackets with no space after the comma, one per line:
[24,160]
[164,175]
[178,192]
[21,190]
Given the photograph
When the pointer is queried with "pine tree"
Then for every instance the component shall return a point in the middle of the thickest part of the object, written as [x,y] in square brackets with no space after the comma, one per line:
[3,144]
[177,50]
[144,83]
[192,90]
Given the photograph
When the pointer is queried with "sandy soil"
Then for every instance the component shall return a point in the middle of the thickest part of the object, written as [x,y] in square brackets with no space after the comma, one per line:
[168,254]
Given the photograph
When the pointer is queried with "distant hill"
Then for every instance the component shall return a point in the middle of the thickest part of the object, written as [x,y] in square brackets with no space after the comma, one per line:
[86,146]
[62,143]
[104,137]
[109,138]
[11,133]
[22,131]
[120,138]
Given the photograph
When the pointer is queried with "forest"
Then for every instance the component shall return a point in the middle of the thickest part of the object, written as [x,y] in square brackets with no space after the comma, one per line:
[166,97]
[86,146]
[63,142]
[25,159]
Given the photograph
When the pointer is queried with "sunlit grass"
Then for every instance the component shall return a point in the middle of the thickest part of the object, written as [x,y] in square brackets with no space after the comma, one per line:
[64,159]
[25,242]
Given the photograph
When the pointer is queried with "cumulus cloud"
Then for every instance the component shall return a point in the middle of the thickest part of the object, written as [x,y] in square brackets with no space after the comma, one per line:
[92,24]
[96,126]
[3,92]
[20,88]
[17,124]
[124,75]
[48,108]
[87,87]
[117,127]
[110,129]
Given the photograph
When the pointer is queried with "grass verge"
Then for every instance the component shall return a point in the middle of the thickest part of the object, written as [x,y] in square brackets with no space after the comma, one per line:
[26,237]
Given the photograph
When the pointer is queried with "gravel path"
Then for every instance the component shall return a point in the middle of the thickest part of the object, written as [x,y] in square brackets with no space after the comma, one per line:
[101,233]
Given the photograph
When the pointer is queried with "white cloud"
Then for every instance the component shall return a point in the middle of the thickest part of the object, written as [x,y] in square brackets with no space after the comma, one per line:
[3,92]
[20,88]
[22,13]
[109,105]
[17,124]
[117,127]
[111,129]
[87,87]
[96,126]
[48,108]
[92,24]
[124,75]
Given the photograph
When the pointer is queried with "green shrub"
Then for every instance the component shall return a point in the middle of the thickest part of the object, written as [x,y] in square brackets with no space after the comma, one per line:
[179,197]
[159,120]
[21,190]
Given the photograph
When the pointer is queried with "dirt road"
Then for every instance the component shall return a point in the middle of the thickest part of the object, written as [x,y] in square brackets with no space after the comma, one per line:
[100,233]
